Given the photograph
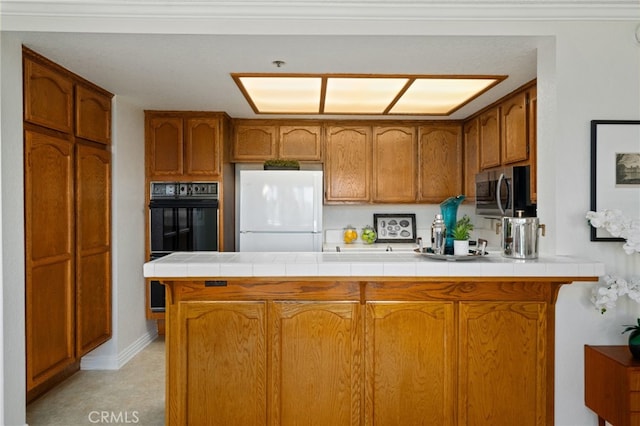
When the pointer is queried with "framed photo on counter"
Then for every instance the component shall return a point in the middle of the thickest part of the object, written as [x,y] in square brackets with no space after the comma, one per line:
[395,228]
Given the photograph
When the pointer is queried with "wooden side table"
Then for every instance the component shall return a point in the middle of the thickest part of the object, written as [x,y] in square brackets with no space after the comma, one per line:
[612,384]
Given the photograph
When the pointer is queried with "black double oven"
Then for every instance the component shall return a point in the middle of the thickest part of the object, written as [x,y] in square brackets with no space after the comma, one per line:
[183,217]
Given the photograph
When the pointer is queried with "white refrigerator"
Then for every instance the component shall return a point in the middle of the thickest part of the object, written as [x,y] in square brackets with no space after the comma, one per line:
[280,210]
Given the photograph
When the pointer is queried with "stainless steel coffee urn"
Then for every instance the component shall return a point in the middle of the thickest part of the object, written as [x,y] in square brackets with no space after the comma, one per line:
[519,236]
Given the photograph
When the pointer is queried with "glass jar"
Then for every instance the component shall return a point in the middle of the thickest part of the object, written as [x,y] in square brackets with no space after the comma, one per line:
[368,234]
[349,234]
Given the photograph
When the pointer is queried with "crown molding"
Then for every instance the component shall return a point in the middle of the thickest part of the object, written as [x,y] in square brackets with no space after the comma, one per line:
[142,15]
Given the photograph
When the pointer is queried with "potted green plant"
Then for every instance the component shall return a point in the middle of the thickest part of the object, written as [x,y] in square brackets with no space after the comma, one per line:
[460,234]
[279,164]
[634,338]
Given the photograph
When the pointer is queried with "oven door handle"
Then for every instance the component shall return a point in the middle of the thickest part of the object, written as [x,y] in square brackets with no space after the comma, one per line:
[182,203]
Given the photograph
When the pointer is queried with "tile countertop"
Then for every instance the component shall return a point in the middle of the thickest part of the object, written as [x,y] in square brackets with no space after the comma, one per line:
[371,264]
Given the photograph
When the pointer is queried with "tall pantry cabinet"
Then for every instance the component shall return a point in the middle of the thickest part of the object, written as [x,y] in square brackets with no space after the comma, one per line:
[67,178]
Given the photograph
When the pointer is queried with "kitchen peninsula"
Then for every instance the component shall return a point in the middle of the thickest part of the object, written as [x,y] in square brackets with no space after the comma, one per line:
[379,338]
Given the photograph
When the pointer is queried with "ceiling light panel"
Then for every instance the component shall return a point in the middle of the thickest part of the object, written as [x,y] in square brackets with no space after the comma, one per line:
[439,95]
[300,95]
[361,95]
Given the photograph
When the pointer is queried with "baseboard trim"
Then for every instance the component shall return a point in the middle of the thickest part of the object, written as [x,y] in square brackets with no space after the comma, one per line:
[102,362]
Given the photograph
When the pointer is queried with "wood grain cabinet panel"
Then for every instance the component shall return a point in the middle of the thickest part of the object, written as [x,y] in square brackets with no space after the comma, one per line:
[394,164]
[410,361]
[165,148]
[316,361]
[93,248]
[252,142]
[48,97]
[93,115]
[299,142]
[347,166]
[439,162]
[471,142]
[612,384]
[515,147]
[490,139]
[203,150]
[49,256]
[222,364]
[67,175]
[503,346]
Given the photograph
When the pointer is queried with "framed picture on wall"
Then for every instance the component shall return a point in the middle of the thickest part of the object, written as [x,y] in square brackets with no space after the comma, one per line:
[395,228]
[615,170]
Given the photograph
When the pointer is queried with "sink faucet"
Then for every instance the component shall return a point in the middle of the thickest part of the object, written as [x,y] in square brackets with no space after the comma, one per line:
[389,248]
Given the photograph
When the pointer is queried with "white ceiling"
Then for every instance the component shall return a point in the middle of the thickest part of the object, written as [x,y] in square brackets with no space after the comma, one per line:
[192,72]
[178,54]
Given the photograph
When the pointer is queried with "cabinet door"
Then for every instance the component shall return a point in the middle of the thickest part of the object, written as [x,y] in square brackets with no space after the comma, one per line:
[49,257]
[394,164]
[514,129]
[410,363]
[490,139]
[471,134]
[532,111]
[315,359]
[347,164]
[165,147]
[300,143]
[48,97]
[502,367]
[439,162]
[93,115]
[220,357]
[254,142]
[93,247]
[203,147]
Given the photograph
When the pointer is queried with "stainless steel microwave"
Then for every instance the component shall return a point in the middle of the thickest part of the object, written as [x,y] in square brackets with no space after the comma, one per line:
[503,191]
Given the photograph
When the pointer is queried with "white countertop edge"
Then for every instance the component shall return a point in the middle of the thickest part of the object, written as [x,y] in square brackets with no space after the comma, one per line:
[281,264]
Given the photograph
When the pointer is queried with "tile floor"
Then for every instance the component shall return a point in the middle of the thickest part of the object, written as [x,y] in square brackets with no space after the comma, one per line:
[132,395]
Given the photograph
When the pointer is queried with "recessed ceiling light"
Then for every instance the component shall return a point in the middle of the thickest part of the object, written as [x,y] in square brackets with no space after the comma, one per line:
[366,94]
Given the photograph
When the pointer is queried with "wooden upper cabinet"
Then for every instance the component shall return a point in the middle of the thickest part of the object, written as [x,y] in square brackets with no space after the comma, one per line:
[165,147]
[532,114]
[471,142]
[515,146]
[254,142]
[347,166]
[48,97]
[93,115]
[439,162]
[490,139]
[394,164]
[203,147]
[184,145]
[425,348]
[261,140]
[93,247]
[300,143]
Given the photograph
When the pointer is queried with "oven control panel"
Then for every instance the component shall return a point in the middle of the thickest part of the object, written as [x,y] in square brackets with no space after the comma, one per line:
[184,190]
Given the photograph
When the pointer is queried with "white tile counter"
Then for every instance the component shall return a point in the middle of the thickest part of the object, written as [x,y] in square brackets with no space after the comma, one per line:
[370,264]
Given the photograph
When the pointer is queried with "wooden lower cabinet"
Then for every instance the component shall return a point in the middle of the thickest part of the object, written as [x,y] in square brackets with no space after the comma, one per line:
[396,353]
[409,363]
[502,364]
[316,363]
[220,375]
